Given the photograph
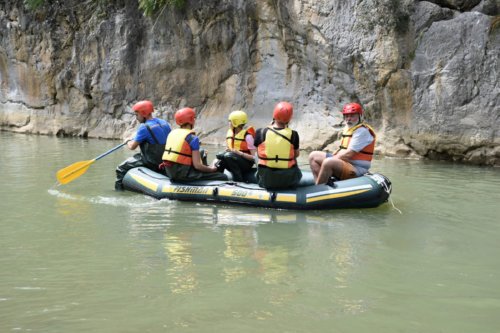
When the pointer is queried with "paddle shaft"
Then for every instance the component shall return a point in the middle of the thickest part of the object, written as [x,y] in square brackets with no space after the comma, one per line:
[111,150]
[75,170]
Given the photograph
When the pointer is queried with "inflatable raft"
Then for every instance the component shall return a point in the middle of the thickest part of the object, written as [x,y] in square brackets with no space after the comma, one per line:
[370,190]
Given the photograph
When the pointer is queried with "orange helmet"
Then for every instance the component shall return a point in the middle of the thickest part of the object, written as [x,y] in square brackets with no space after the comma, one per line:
[283,111]
[144,108]
[185,116]
[352,108]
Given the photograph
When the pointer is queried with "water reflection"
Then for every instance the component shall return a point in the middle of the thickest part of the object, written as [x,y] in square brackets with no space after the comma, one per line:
[72,253]
[273,263]
[181,270]
[242,244]
[277,250]
[70,206]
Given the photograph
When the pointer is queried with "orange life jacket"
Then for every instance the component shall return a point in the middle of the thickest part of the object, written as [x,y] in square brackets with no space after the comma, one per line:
[367,153]
[177,149]
[276,150]
[238,141]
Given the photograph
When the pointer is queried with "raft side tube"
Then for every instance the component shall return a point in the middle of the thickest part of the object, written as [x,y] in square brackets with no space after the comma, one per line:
[367,191]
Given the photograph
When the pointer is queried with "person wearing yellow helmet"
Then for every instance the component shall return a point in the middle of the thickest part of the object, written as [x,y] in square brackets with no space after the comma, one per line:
[355,153]
[150,137]
[277,150]
[240,149]
[182,158]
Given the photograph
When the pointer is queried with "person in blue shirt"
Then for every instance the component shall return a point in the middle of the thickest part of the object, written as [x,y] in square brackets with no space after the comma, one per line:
[150,137]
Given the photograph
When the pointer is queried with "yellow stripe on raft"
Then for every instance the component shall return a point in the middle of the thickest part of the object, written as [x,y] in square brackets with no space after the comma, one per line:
[246,194]
[281,197]
[146,183]
[336,195]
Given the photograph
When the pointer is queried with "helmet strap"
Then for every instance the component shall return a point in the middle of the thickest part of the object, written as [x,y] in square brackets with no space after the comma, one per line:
[141,118]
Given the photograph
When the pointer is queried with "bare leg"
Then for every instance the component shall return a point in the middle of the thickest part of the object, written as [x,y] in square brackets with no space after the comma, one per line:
[330,167]
[316,158]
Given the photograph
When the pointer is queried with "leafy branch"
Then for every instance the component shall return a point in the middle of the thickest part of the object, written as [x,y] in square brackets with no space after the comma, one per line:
[151,7]
[148,7]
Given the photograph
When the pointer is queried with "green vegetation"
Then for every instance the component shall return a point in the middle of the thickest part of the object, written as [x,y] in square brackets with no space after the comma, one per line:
[152,7]
[495,23]
[33,4]
[148,7]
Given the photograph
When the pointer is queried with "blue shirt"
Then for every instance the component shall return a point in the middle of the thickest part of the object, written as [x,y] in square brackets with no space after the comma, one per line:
[160,128]
[195,142]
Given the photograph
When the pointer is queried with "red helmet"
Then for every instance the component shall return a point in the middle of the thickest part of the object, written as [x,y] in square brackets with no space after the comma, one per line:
[144,108]
[283,111]
[185,116]
[352,108]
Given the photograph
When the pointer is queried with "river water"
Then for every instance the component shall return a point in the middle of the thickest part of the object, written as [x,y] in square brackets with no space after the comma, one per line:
[83,258]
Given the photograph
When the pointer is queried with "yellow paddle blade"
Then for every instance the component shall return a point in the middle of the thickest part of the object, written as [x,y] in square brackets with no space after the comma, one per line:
[72,172]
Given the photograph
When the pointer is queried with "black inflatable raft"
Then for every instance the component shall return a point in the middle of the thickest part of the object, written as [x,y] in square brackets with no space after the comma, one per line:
[370,190]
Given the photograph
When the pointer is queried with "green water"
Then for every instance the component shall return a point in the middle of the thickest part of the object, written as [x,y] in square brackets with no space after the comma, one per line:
[84,258]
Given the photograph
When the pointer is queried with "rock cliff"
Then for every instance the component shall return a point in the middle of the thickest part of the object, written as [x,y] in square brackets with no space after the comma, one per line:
[427,72]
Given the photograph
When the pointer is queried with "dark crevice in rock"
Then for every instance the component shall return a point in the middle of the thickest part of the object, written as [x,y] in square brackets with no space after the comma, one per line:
[436,155]
[460,5]
[329,141]
[208,133]
[30,107]
[473,148]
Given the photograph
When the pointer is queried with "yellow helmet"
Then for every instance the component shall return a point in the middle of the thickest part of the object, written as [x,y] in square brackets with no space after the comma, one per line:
[237,118]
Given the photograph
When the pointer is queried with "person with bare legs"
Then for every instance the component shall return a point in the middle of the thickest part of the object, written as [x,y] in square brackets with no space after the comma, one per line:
[353,158]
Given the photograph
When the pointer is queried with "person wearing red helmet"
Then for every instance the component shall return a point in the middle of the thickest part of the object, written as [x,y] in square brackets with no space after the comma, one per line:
[353,158]
[182,158]
[277,151]
[150,137]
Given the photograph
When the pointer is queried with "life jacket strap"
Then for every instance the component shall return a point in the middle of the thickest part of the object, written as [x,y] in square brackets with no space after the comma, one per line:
[279,134]
[170,151]
[276,159]
[152,134]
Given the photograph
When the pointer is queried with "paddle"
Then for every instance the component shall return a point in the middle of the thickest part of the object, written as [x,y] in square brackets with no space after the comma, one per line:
[75,170]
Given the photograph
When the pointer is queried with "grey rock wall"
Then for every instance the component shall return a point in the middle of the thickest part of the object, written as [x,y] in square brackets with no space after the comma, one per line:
[425,71]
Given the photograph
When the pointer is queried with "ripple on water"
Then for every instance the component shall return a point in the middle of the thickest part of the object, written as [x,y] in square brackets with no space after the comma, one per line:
[118,201]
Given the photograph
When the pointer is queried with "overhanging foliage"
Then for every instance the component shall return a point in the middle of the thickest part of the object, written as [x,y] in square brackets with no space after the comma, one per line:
[148,7]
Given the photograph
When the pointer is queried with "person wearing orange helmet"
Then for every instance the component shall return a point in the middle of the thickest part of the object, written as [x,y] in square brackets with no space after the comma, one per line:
[182,160]
[238,158]
[150,137]
[353,158]
[277,151]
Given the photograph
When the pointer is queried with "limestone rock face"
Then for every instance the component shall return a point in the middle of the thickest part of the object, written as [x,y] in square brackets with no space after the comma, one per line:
[426,72]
